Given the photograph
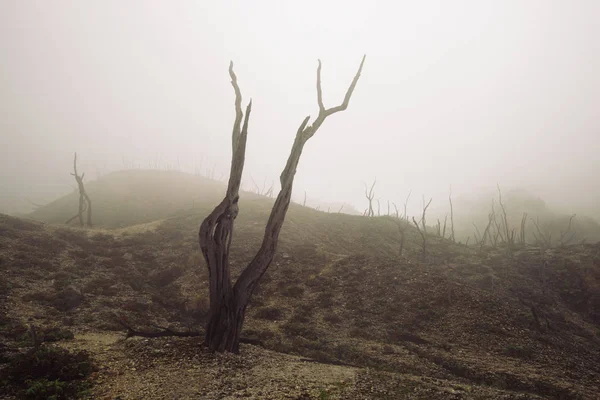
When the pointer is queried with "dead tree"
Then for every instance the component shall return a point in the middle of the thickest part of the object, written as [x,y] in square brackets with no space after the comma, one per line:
[486,232]
[452,237]
[508,233]
[522,233]
[370,196]
[402,226]
[543,240]
[228,302]
[304,202]
[425,207]
[477,235]
[444,229]
[406,204]
[423,236]
[84,200]
[567,236]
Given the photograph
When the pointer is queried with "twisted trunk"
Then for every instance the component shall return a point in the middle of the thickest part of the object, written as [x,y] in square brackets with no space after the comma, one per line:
[228,302]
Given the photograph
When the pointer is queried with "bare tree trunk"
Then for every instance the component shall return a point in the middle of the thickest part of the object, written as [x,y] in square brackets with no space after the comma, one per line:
[510,234]
[425,207]
[84,199]
[444,230]
[406,204]
[452,237]
[228,302]
[424,237]
[522,234]
[370,196]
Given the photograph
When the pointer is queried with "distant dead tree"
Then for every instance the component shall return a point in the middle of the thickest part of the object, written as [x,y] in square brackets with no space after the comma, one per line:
[477,234]
[423,237]
[509,234]
[370,196]
[406,204]
[444,229]
[568,235]
[84,200]
[542,239]
[304,202]
[378,208]
[228,302]
[487,232]
[425,207]
[452,237]
[522,232]
[402,224]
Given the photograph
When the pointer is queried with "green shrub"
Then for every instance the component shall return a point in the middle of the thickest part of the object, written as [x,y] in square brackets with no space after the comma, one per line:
[48,372]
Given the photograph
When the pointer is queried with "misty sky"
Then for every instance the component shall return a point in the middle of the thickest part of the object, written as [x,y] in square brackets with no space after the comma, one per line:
[461,93]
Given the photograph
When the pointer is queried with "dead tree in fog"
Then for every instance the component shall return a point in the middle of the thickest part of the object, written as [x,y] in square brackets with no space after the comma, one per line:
[567,236]
[498,234]
[304,202]
[396,210]
[444,229]
[402,226]
[452,237]
[486,232]
[406,204]
[370,196]
[269,192]
[228,302]
[84,200]
[378,208]
[522,232]
[543,240]
[477,234]
[509,234]
[439,228]
[425,207]
[423,236]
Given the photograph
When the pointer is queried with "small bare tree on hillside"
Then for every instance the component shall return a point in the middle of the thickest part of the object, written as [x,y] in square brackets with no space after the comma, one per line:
[228,301]
[568,235]
[423,237]
[84,200]
[452,237]
[423,221]
[370,195]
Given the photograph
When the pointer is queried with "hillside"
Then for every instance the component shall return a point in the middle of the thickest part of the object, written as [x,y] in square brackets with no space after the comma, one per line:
[338,314]
[131,197]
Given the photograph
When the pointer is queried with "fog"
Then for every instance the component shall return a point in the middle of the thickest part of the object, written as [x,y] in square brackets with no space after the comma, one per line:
[465,94]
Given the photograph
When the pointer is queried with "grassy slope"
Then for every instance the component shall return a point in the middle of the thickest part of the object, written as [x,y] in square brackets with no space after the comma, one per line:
[484,324]
[131,197]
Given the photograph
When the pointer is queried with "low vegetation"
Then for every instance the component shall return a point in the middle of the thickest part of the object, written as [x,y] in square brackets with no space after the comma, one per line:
[465,322]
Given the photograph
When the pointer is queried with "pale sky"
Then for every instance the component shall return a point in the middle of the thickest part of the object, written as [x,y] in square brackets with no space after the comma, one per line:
[461,93]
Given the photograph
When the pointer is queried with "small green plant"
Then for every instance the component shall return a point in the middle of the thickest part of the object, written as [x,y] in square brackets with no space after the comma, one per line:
[48,372]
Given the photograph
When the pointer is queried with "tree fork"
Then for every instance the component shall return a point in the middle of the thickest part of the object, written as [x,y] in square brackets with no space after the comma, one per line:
[228,302]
